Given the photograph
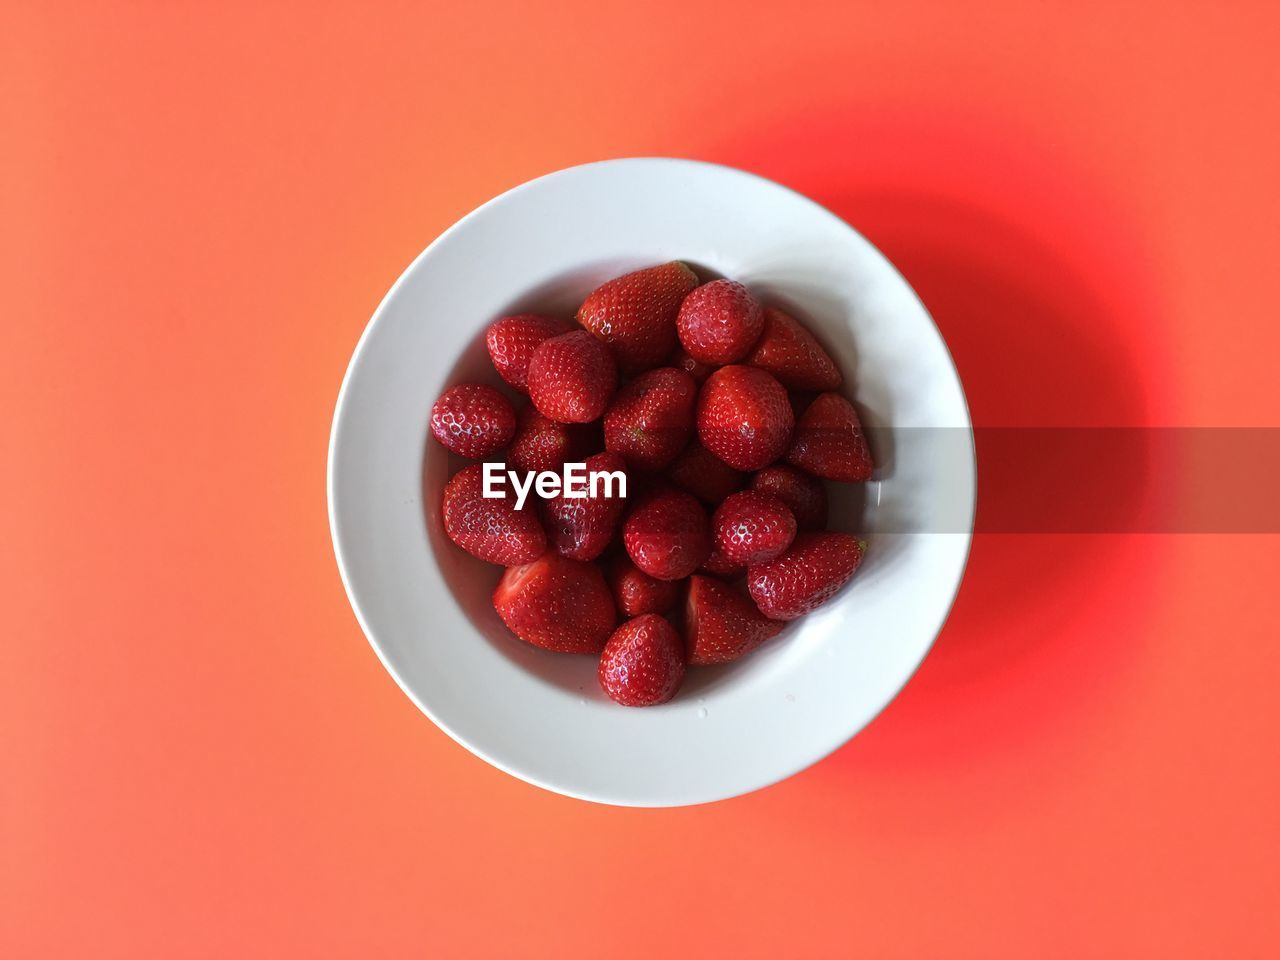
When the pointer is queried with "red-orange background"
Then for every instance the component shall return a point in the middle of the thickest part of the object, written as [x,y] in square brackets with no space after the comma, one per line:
[202,204]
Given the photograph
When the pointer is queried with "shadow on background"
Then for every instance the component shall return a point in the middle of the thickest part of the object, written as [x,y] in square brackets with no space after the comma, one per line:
[1035,288]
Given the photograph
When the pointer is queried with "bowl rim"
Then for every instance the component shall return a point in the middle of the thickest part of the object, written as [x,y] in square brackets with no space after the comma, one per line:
[336,426]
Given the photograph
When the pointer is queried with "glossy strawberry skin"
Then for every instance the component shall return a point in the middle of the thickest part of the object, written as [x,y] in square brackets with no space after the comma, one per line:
[705,475]
[491,529]
[718,565]
[583,527]
[541,443]
[667,535]
[720,624]
[558,604]
[473,420]
[651,418]
[804,495]
[829,441]
[635,314]
[792,354]
[643,662]
[744,417]
[719,322]
[635,592]
[752,527]
[512,340]
[806,576]
[572,377]
[694,368]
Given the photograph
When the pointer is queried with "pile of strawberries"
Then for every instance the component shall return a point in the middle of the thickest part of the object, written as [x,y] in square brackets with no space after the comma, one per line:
[723,415]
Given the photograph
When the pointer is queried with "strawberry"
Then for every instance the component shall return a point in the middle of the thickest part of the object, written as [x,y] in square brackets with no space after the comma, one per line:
[793,355]
[544,444]
[556,603]
[651,418]
[694,368]
[582,527]
[473,420]
[705,475]
[572,377]
[752,527]
[489,528]
[643,662]
[829,441]
[803,494]
[744,417]
[806,576]
[635,314]
[720,624]
[512,340]
[636,592]
[719,321]
[667,534]
[718,565]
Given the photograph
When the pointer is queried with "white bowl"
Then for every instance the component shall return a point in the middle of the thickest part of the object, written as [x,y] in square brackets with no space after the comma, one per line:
[425,605]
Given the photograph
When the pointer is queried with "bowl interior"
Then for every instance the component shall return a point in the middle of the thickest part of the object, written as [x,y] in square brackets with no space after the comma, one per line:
[425,605]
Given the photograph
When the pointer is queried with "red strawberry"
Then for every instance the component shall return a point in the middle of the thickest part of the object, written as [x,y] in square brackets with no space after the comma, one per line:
[473,420]
[752,527]
[718,565]
[635,314]
[705,475]
[643,662]
[744,417]
[636,592]
[720,624]
[557,604]
[544,444]
[829,441]
[651,418]
[572,377]
[694,368]
[490,528]
[719,321]
[803,494]
[667,534]
[582,527]
[806,576]
[792,354]
[512,340]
